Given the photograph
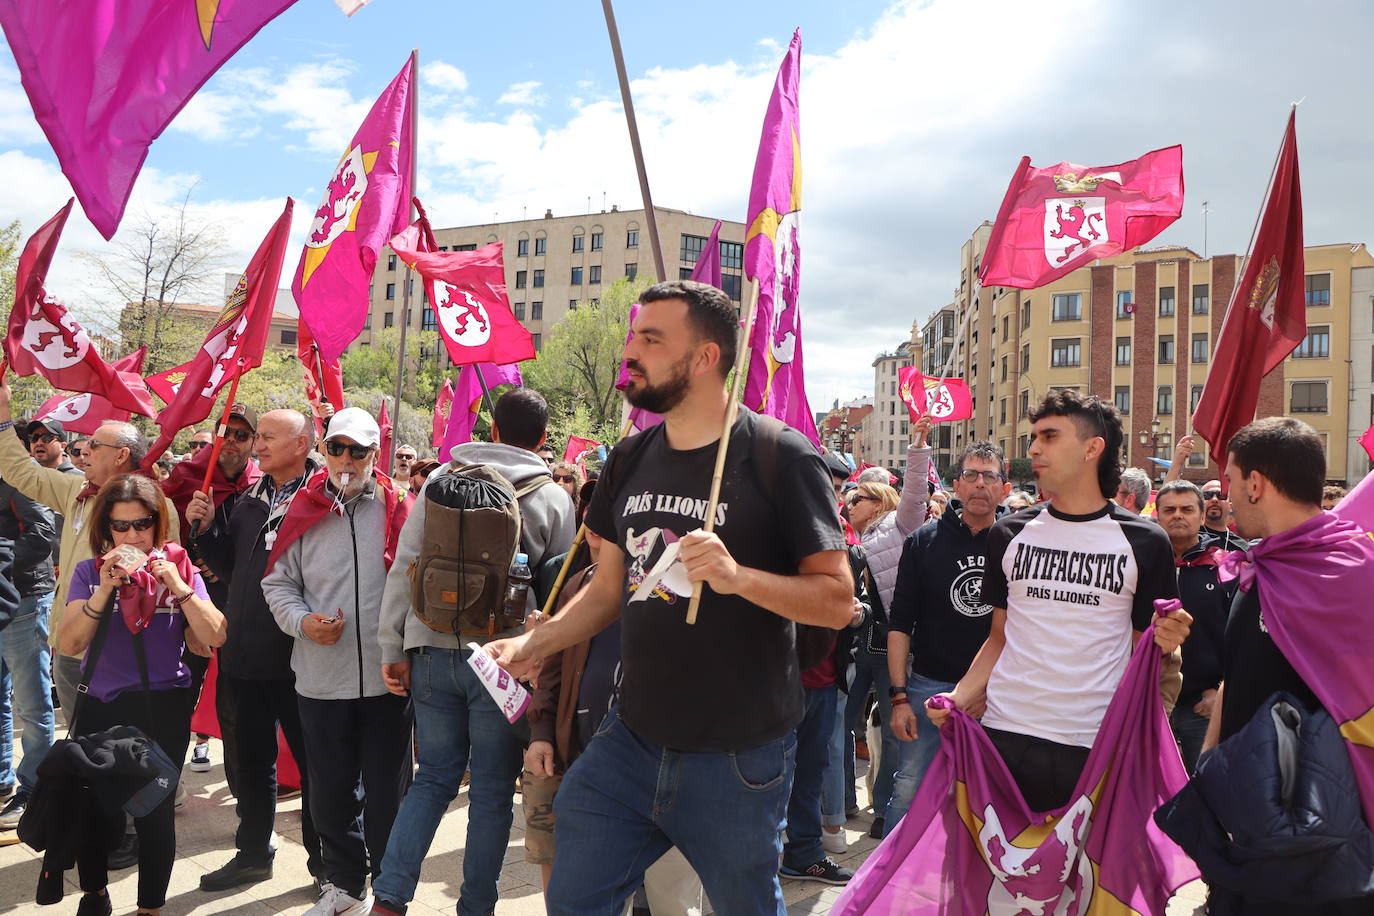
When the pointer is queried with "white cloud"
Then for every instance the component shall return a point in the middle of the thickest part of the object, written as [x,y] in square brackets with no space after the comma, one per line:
[522,94]
[444,77]
[17,123]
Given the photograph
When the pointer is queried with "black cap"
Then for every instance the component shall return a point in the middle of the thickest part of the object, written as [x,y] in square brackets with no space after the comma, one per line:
[836,466]
[53,426]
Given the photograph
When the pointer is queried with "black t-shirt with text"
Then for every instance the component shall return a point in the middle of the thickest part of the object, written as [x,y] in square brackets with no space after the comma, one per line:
[729,681]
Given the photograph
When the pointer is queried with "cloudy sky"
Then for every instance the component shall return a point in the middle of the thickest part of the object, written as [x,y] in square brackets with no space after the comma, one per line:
[913,117]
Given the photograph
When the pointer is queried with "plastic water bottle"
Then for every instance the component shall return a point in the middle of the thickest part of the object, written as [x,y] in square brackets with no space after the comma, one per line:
[518,587]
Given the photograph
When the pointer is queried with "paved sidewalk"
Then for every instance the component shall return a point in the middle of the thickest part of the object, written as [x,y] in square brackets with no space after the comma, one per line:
[205,831]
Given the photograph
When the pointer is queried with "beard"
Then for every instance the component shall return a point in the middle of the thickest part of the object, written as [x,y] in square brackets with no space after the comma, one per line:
[356,481]
[1216,515]
[666,395]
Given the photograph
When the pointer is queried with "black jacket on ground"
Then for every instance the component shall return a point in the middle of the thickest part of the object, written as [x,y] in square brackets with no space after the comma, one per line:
[33,529]
[1209,602]
[235,548]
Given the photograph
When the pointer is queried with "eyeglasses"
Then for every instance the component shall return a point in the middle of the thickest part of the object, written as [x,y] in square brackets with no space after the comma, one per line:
[74,452]
[138,524]
[356,452]
[987,477]
[405,457]
[239,435]
[563,478]
[44,438]
[855,500]
[96,443]
[197,446]
[1211,494]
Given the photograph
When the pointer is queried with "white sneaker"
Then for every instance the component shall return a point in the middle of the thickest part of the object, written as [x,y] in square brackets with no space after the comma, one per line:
[335,902]
[834,842]
[181,796]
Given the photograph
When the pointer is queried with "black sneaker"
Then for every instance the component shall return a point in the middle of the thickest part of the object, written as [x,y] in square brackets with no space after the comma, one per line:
[235,873]
[824,871]
[94,905]
[14,811]
[876,831]
[384,907]
[125,855]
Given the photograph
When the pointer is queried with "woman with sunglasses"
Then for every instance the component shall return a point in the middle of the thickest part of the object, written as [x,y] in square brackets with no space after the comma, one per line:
[570,477]
[153,602]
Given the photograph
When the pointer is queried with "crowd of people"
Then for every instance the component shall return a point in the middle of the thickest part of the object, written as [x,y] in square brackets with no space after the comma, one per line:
[663,762]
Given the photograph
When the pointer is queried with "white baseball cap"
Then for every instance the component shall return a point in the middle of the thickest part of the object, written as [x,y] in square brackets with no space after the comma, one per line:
[357,424]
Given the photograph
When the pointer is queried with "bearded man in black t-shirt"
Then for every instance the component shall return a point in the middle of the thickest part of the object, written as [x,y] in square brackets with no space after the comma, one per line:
[699,751]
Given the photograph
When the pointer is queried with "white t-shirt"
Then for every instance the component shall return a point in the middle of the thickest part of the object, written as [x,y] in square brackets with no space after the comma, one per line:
[1074,588]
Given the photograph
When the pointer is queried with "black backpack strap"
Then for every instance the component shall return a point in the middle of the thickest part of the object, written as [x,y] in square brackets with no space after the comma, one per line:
[618,463]
[92,656]
[767,432]
[141,655]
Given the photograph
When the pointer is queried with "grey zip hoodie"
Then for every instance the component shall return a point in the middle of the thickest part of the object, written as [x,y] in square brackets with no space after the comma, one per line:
[337,565]
[546,530]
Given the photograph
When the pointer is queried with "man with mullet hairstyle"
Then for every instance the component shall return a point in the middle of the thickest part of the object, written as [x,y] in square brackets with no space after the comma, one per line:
[1072,585]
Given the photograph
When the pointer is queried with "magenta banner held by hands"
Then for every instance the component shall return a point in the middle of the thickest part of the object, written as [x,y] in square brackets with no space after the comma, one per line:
[106,77]
[772,258]
[365,203]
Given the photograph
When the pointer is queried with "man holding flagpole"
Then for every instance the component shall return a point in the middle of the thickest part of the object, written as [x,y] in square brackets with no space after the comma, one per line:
[699,751]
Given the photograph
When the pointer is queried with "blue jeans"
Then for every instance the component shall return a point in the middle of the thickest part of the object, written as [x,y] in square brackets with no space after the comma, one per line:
[457,725]
[914,756]
[1189,731]
[626,801]
[871,673]
[27,662]
[832,784]
[804,846]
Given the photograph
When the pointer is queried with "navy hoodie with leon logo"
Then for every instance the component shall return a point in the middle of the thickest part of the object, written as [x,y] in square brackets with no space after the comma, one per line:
[938,599]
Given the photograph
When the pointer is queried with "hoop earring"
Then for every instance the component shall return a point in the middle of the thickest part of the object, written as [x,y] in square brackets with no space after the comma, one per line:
[1252,500]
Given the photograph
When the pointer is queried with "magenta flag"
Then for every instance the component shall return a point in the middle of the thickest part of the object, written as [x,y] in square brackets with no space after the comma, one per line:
[366,202]
[772,258]
[1367,442]
[384,425]
[1055,219]
[106,77]
[708,265]
[467,400]
[970,846]
[638,419]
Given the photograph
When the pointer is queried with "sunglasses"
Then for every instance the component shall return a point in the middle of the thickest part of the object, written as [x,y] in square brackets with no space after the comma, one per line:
[197,446]
[855,500]
[138,524]
[44,438]
[356,452]
[1211,494]
[239,435]
[563,478]
[74,452]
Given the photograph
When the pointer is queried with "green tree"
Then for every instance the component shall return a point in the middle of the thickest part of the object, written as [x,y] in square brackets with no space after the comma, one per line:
[1019,469]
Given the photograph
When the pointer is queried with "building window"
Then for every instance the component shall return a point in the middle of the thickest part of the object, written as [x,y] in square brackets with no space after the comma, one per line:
[538,278]
[576,276]
[1004,368]
[631,271]
[1024,407]
[692,246]
[1166,302]
[572,305]
[536,311]
[731,284]
[1065,351]
[632,238]
[537,340]
[1025,318]
[391,262]
[288,337]
[522,248]
[391,290]
[1123,398]
[521,276]
[1003,411]
[1164,400]
[470,246]
[1195,395]
[1025,357]
[598,241]
[594,273]
[1309,397]
[1316,345]
[578,242]
[541,247]
[731,255]
[388,319]
[1199,354]
[1124,298]
[1200,299]
[1318,289]
[1123,351]
[1166,350]
[684,273]
[1006,328]
[519,311]
[1068,306]
[428,321]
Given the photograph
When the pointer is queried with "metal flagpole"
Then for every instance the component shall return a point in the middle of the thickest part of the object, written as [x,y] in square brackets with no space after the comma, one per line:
[649,215]
[405,292]
[486,392]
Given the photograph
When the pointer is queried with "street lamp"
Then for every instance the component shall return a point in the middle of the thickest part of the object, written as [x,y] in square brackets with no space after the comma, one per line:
[1155,438]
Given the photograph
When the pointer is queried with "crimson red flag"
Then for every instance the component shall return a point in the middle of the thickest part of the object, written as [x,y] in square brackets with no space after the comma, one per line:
[467,290]
[45,339]
[1056,219]
[323,380]
[945,398]
[384,424]
[234,343]
[578,449]
[83,413]
[166,384]
[442,406]
[1267,316]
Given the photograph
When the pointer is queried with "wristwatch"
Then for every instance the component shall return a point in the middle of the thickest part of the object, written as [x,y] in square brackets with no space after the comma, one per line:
[894,692]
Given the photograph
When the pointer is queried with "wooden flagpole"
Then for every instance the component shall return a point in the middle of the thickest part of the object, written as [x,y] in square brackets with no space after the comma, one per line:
[731,411]
[220,433]
[405,292]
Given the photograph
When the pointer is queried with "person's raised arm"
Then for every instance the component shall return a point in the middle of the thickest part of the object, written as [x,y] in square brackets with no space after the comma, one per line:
[911,509]
[587,613]
[1182,453]
[49,486]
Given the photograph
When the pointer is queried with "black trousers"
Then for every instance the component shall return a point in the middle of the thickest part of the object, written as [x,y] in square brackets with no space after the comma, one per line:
[359,757]
[224,711]
[1045,772]
[157,833]
[260,706]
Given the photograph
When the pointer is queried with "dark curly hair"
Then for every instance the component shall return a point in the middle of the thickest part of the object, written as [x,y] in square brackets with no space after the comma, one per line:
[1093,417]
